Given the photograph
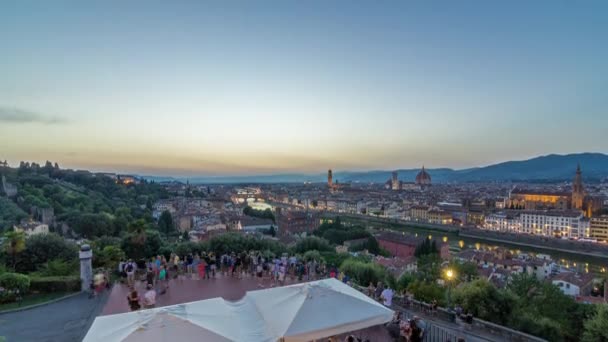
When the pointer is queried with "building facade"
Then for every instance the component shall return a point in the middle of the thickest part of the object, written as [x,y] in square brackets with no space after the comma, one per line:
[297,222]
[419,213]
[503,222]
[599,228]
[566,224]
[404,246]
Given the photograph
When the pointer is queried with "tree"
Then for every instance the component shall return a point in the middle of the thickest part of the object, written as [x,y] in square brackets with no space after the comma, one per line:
[404,281]
[137,229]
[427,291]
[485,301]
[312,243]
[465,271]
[91,225]
[44,247]
[540,309]
[596,328]
[429,267]
[14,245]
[265,214]
[425,248]
[363,273]
[138,245]
[109,257]
[312,255]
[165,223]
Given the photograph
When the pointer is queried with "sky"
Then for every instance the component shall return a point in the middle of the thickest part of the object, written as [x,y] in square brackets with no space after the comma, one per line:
[260,87]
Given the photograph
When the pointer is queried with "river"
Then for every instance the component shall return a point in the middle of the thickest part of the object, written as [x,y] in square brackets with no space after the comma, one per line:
[570,261]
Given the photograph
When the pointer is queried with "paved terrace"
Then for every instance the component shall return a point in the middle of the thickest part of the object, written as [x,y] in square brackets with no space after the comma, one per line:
[70,319]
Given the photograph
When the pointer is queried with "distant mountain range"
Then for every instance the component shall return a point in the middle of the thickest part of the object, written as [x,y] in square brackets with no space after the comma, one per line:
[552,167]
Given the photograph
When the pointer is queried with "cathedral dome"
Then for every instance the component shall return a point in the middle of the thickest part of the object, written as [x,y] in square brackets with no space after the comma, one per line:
[423,178]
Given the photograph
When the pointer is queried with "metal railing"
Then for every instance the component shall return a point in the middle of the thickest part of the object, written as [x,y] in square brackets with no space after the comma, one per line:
[437,332]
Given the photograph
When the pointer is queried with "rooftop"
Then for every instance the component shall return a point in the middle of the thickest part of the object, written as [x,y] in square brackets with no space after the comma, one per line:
[578,279]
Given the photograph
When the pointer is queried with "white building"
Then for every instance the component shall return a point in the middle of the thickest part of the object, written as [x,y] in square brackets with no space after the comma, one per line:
[503,222]
[567,224]
[573,284]
[161,206]
[32,228]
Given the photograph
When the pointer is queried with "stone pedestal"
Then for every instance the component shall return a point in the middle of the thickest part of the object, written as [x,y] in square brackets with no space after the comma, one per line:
[86,267]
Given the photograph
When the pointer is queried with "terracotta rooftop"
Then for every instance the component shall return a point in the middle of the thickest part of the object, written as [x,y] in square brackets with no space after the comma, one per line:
[578,279]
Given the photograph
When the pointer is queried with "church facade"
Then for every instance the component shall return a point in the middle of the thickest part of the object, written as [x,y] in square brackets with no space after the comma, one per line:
[577,199]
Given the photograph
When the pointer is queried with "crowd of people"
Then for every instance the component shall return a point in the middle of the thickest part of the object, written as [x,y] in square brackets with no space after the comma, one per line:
[159,270]
[156,273]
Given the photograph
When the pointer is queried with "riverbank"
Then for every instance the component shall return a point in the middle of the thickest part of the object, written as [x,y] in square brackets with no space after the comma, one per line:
[543,243]
[546,244]
[398,223]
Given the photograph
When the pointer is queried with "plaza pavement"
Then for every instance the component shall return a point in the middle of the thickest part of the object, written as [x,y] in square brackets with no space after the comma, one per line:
[63,321]
[69,320]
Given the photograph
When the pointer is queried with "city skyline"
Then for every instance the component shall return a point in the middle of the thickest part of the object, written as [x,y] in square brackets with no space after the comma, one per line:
[284,87]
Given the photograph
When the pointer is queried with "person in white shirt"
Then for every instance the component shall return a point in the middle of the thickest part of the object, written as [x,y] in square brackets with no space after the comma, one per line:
[387,296]
[150,297]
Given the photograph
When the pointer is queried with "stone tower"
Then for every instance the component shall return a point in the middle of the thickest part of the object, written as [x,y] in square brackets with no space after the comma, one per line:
[330,181]
[578,191]
[395,181]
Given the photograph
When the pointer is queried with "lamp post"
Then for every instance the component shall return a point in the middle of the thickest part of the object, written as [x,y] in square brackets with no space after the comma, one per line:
[449,274]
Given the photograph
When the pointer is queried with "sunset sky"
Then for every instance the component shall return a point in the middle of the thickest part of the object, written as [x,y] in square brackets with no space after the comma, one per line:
[209,88]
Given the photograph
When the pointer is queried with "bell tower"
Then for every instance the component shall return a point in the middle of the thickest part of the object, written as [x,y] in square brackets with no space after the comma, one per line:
[330,181]
[578,191]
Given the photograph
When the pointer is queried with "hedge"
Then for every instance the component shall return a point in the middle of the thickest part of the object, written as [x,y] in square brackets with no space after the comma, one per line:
[55,284]
[13,285]
[15,281]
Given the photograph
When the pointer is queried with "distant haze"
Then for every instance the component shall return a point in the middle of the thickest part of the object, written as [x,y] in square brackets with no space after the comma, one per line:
[196,88]
[544,168]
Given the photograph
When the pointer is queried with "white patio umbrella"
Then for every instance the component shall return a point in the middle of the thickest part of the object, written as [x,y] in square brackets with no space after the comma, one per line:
[316,310]
[213,320]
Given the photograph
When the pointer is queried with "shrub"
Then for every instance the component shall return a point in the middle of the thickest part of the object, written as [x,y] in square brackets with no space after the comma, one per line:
[108,257]
[58,267]
[187,247]
[404,281]
[391,281]
[44,247]
[363,273]
[312,255]
[55,284]
[15,282]
[312,243]
[142,245]
[335,259]
[427,292]
[228,243]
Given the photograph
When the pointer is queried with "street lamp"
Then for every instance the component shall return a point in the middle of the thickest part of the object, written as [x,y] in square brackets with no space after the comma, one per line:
[449,274]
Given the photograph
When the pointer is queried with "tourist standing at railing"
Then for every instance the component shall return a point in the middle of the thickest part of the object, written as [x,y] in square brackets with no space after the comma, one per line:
[415,332]
[379,289]
[387,296]
[371,289]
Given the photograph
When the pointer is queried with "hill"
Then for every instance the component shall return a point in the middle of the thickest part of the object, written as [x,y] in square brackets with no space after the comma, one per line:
[551,167]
